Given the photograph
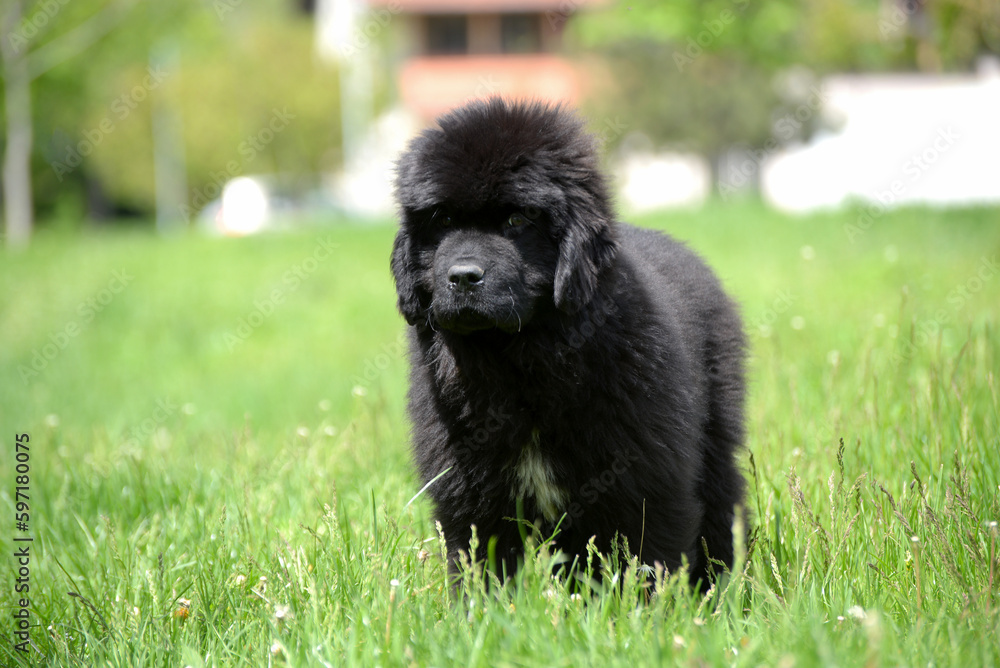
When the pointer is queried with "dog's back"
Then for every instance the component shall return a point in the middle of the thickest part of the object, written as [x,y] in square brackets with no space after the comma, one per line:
[711,325]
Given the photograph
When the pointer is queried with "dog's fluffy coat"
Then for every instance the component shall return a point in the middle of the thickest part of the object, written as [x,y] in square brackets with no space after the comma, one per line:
[583,372]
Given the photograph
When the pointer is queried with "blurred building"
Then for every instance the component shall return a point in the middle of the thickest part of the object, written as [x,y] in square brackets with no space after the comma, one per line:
[895,139]
[458,50]
[446,52]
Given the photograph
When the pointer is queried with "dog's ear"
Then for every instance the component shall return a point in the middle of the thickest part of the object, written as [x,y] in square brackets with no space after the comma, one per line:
[406,273]
[587,249]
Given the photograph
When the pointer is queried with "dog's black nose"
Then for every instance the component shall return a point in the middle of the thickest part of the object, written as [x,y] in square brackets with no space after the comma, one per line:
[464,276]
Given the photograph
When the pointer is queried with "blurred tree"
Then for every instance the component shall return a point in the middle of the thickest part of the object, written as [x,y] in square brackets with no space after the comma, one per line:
[57,58]
[705,75]
[694,74]
[706,105]
[17,153]
[256,102]
[940,35]
[81,78]
[38,36]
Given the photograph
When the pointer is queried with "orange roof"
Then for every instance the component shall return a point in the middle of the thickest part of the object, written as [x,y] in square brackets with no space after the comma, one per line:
[480,6]
[431,85]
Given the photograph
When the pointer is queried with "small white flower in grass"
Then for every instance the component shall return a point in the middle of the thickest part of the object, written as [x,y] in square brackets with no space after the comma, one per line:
[798,322]
[679,642]
[575,597]
[394,583]
[240,580]
[282,613]
[276,649]
[359,391]
[807,252]
[857,612]
[303,432]
[330,430]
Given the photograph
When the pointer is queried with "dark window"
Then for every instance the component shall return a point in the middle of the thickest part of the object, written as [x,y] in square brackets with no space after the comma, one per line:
[446,34]
[520,33]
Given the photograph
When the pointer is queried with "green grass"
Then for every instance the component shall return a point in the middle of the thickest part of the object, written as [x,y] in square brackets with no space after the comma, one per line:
[263,473]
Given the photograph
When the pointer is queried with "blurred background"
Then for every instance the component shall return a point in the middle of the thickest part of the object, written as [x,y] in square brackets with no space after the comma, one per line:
[233,117]
[198,321]
[197,195]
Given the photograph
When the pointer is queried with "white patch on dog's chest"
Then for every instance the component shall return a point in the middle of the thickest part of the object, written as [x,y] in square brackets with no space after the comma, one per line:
[534,477]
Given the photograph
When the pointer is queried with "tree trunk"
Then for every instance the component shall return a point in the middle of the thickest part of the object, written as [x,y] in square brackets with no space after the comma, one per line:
[17,202]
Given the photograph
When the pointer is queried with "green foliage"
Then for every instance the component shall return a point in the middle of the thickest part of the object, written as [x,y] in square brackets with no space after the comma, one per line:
[221,70]
[706,104]
[258,102]
[764,34]
[85,57]
[693,75]
[199,500]
[706,75]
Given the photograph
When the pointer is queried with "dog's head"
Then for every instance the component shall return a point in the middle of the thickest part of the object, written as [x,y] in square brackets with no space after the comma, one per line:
[504,211]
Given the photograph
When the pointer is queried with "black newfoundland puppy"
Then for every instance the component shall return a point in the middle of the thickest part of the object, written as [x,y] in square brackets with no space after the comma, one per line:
[568,370]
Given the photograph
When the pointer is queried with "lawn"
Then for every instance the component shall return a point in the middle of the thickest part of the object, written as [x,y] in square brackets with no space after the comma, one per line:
[218,469]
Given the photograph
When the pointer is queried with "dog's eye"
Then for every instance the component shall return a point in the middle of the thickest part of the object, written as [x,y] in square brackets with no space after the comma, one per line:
[517,220]
[441,218]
